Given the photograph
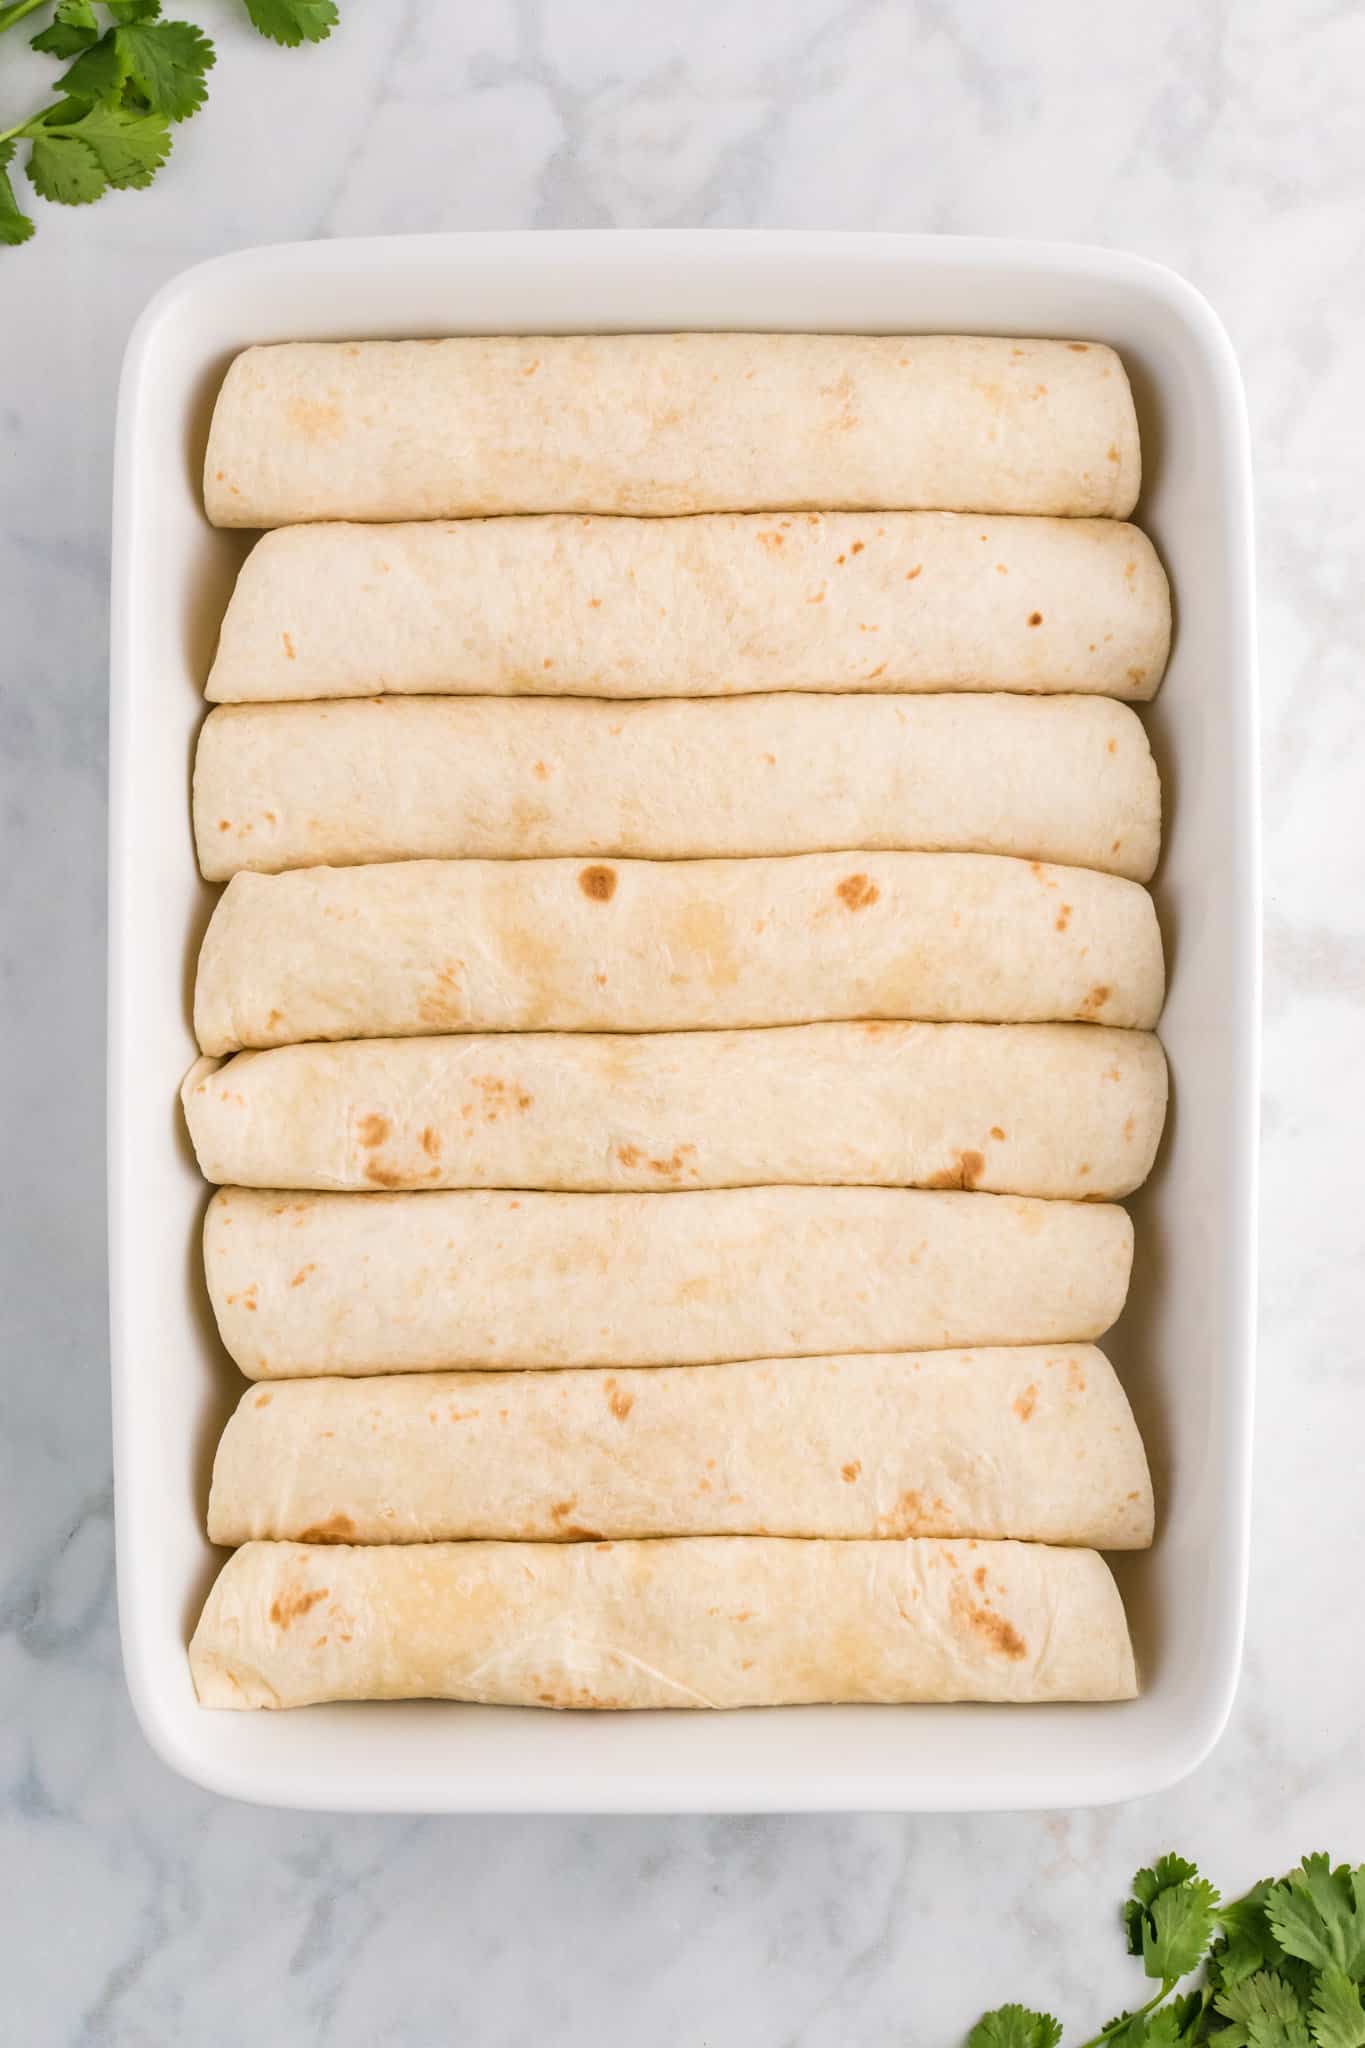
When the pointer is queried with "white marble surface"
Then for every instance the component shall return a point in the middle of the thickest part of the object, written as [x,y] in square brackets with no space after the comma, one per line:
[1223,139]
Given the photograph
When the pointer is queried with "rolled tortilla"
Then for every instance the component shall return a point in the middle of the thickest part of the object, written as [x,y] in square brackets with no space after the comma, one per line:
[1030,1109]
[715,606]
[412,947]
[1023,1442]
[309,1284]
[723,1621]
[670,423]
[1066,779]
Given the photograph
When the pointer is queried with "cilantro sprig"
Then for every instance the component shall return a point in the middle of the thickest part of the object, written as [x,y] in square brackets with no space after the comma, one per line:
[1281,1967]
[127,83]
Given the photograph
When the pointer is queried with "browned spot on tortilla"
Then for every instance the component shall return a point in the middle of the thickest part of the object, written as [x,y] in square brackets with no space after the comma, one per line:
[911,574]
[1035,618]
[598,884]
[382,1176]
[1129,1124]
[839,561]
[997,1133]
[965,1174]
[1112,452]
[561,1509]
[873,673]
[1027,1401]
[313,419]
[769,540]
[303,1273]
[540,771]
[263,1400]
[1095,999]
[913,1515]
[818,598]
[619,1402]
[336,1529]
[430,1142]
[979,1575]
[373,1129]
[529,369]
[1075,1378]
[771,760]
[856,548]
[1111,1074]
[857,892]
[1063,917]
[594,603]
[1000,1634]
[1001,570]
[275,1017]
[1079,348]
[1137,675]
[444,1004]
[1116,845]
[850,1471]
[497,1095]
[224,824]
[1083,1169]
[287,1607]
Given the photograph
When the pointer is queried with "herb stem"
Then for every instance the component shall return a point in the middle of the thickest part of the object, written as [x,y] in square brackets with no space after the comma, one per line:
[1098,2040]
[16,12]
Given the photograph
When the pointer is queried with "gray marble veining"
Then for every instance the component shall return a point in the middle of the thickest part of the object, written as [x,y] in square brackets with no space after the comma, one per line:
[1223,139]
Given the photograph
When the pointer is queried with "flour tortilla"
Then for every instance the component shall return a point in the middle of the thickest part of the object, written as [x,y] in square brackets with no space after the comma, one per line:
[1067,779]
[424,947]
[670,423]
[353,1284]
[1026,1442]
[1030,1109]
[703,1622]
[712,606]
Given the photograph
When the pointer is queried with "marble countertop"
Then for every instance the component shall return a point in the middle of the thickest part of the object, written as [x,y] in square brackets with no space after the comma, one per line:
[1223,140]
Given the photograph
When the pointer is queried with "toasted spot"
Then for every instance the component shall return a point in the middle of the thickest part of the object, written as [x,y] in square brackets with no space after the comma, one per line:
[314,419]
[430,1142]
[769,540]
[540,771]
[287,1607]
[1129,1125]
[529,369]
[1035,618]
[997,1134]
[598,884]
[911,574]
[1063,917]
[619,1402]
[560,1509]
[1112,452]
[850,1471]
[303,1273]
[1075,1378]
[594,603]
[913,1515]
[382,1176]
[965,1174]
[856,548]
[263,1400]
[1137,675]
[857,892]
[224,824]
[1095,999]
[373,1129]
[336,1529]
[1027,1401]
[1079,348]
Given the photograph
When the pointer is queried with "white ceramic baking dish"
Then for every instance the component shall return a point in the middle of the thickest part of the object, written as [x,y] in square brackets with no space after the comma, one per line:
[1185,1345]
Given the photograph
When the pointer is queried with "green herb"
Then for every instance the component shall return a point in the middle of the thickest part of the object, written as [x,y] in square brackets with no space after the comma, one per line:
[125,86]
[1281,1967]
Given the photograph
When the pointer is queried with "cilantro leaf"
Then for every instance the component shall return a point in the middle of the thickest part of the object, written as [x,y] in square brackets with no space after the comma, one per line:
[1169,1919]
[1264,2013]
[98,73]
[73,28]
[125,11]
[1318,1914]
[166,61]
[292,22]
[1015,2026]
[129,147]
[1248,1944]
[65,169]
[1338,2017]
[15,227]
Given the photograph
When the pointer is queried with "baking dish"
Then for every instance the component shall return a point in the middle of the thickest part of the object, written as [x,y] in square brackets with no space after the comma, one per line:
[1185,1344]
